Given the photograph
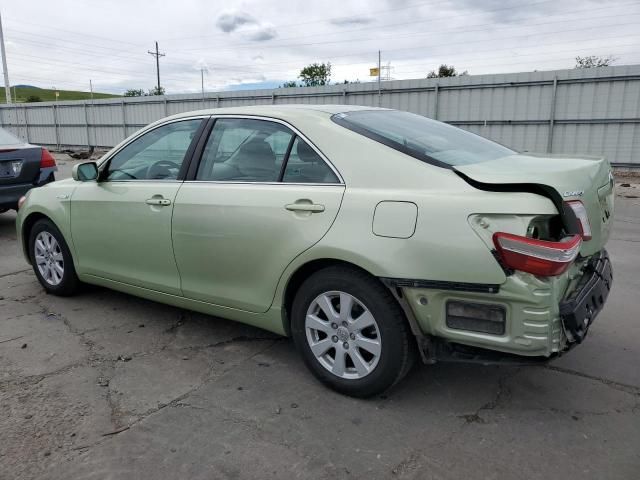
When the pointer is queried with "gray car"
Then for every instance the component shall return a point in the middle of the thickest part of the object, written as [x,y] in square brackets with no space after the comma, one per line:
[22,167]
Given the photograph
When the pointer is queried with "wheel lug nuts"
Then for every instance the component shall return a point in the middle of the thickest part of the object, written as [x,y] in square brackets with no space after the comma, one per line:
[345,345]
[353,336]
[334,339]
[334,326]
[344,324]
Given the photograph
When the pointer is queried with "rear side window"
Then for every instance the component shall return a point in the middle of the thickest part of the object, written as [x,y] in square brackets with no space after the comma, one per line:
[425,139]
[7,138]
[305,166]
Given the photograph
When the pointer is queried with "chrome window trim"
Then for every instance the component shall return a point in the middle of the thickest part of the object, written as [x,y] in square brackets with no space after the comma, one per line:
[143,180]
[322,156]
[234,182]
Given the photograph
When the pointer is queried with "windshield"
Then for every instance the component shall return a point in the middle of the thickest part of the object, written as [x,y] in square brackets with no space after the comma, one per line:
[7,138]
[428,140]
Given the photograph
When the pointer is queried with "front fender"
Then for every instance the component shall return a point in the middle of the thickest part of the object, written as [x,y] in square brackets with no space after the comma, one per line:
[53,201]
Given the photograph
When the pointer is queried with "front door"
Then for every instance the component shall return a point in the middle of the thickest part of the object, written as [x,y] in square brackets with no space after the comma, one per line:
[261,196]
[121,225]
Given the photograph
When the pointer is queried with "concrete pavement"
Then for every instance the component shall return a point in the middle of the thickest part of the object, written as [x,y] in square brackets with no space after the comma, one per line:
[105,385]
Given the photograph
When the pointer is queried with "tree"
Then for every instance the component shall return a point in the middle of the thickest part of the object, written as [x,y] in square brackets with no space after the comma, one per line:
[316,74]
[134,92]
[156,91]
[289,84]
[594,61]
[444,71]
[33,98]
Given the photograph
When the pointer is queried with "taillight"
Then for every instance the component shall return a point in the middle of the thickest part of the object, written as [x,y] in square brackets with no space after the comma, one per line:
[581,214]
[46,159]
[538,257]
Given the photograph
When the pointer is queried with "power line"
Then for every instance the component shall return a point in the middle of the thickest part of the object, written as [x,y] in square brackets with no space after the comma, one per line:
[362,53]
[424,68]
[510,58]
[120,53]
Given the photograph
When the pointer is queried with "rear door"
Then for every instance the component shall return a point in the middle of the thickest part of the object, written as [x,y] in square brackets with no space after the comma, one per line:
[260,197]
[121,225]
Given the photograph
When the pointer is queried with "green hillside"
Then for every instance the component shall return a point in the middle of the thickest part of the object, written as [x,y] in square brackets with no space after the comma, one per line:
[49,95]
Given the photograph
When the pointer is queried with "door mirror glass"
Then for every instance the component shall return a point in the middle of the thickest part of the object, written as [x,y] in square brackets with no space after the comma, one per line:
[85,172]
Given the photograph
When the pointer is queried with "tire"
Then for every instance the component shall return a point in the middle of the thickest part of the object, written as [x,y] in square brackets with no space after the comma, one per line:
[363,373]
[51,251]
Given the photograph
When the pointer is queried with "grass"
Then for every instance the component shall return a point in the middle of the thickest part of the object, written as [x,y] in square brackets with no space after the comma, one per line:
[49,95]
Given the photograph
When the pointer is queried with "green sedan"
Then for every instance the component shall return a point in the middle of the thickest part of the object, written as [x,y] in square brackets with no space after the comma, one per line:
[372,237]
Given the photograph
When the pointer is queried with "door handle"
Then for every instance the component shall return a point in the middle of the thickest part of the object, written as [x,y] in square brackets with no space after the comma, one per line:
[163,202]
[305,207]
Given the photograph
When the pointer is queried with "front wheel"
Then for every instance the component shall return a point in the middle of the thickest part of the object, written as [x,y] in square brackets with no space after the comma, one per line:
[351,332]
[51,259]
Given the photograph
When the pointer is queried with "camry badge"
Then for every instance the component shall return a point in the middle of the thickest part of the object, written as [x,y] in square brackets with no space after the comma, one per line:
[577,193]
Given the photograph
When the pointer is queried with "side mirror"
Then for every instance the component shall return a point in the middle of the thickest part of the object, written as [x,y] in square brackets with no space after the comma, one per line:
[85,172]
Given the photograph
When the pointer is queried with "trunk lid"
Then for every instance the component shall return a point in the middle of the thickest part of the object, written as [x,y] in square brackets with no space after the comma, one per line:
[19,164]
[588,179]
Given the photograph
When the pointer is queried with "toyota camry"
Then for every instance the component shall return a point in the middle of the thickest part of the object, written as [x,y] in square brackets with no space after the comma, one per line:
[372,237]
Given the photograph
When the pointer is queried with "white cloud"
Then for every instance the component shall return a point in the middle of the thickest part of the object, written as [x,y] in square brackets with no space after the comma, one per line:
[264,41]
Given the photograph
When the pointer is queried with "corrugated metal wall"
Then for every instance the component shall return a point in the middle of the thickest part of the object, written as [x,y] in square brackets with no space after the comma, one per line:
[591,111]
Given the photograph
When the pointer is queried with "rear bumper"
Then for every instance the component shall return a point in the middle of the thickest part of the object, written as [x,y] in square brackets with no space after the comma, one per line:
[543,317]
[580,308]
[11,193]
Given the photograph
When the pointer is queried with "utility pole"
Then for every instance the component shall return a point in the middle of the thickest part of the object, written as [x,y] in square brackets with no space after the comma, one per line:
[7,86]
[91,90]
[157,54]
[202,80]
[379,74]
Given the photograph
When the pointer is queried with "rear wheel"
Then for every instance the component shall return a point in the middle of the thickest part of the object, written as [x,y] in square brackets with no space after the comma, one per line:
[51,259]
[351,332]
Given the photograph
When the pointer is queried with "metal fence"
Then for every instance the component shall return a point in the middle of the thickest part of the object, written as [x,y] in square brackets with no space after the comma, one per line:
[591,111]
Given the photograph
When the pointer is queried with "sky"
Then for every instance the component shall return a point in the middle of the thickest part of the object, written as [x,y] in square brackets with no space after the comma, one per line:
[261,44]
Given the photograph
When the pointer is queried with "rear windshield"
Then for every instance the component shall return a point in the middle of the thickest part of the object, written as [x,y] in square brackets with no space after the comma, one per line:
[428,140]
[7,138]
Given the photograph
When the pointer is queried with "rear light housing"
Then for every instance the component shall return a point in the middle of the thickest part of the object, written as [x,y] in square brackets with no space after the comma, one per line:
[583,219]
[46,159]
[539,257]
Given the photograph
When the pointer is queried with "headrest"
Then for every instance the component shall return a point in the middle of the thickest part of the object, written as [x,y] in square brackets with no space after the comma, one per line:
[306,153]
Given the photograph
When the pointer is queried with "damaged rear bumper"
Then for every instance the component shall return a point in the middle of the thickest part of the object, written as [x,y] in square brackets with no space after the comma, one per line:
[580,308]
[543,317]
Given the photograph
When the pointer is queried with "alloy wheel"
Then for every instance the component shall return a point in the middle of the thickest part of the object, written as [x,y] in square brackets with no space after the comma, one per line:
[49,258]
[343,335]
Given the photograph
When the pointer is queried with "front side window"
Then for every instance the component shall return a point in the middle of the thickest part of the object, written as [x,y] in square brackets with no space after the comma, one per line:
[428,140]
[156,155]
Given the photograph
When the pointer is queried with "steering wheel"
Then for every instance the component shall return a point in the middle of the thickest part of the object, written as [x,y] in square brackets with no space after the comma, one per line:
[161,166]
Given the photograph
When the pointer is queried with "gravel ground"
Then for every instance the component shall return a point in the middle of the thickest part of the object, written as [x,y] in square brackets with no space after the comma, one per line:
[104,385]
